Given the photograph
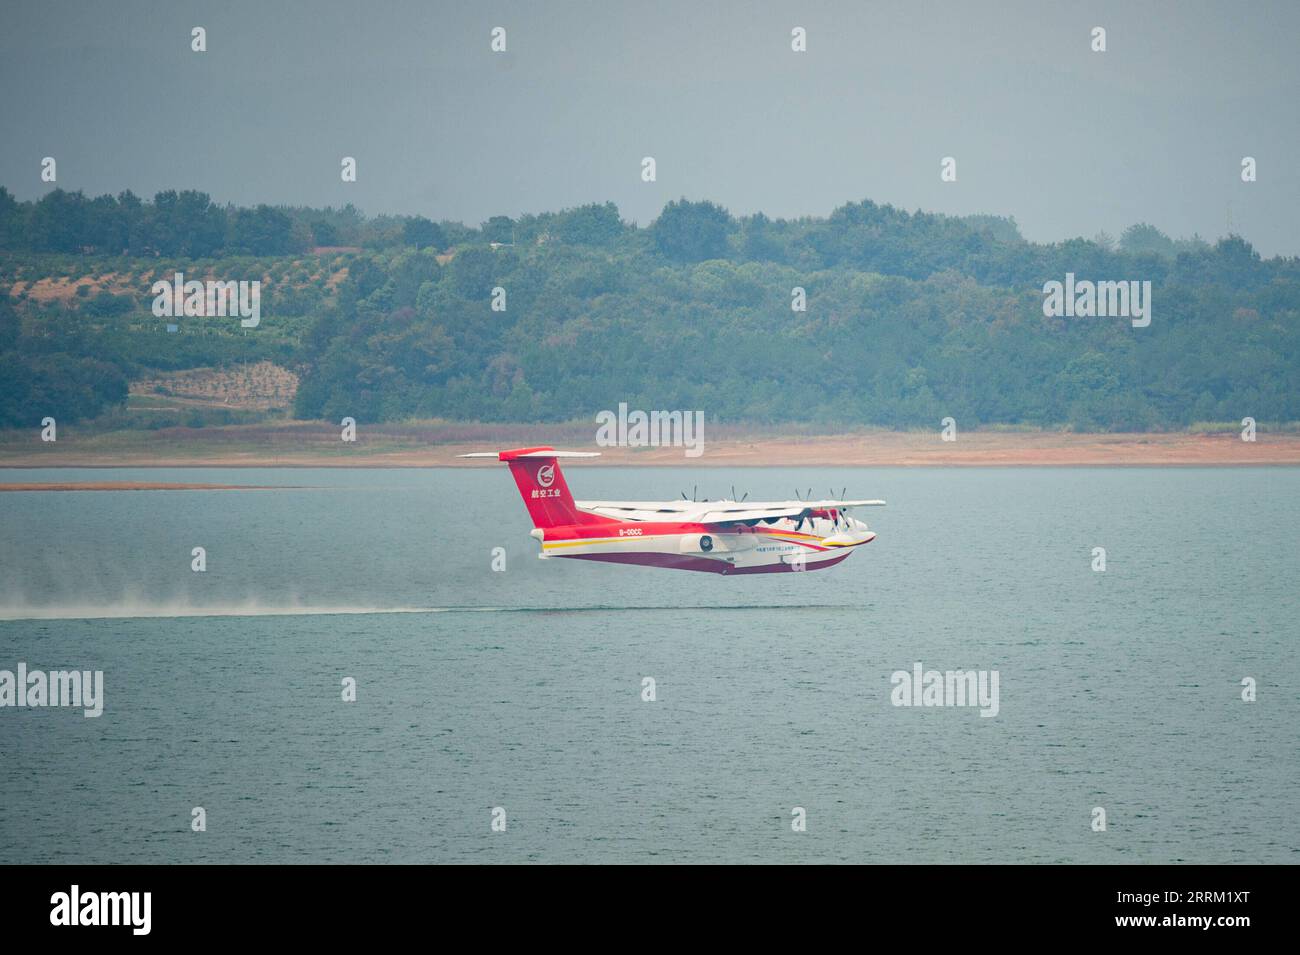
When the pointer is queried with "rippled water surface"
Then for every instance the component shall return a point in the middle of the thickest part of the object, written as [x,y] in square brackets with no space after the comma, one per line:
[522,689]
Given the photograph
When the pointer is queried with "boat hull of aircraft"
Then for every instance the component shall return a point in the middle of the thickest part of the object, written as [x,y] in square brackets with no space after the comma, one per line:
[708,565]
[717,537]
[707,548]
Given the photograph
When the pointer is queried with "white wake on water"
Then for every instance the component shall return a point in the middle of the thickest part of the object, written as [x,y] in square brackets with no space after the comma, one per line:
[129,610]
[133,609]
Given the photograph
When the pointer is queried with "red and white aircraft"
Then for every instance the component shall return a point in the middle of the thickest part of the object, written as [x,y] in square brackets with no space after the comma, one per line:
[718,537]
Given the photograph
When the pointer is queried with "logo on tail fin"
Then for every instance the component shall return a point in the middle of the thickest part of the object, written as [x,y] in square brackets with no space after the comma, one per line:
[546,475]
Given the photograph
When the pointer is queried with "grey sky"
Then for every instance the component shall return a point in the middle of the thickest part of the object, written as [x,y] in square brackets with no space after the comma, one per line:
[1068,141]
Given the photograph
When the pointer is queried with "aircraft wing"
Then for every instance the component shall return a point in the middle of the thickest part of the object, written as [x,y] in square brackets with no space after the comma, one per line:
[643,510]
[713,512]
[728,513]
[839,505]
[721,512]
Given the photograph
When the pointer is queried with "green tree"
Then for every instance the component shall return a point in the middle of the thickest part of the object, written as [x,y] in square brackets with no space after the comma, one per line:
[499,229]
[263,231]
[423,234]
[692,231]
[594,224]
[1143,237]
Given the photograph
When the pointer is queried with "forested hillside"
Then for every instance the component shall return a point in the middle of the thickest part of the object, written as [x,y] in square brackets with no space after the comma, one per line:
[910,317]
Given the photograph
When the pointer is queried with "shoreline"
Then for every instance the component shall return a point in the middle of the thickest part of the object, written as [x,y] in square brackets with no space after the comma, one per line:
[303,448]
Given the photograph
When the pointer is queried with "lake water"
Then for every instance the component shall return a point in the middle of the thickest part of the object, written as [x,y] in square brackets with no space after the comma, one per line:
[522,689]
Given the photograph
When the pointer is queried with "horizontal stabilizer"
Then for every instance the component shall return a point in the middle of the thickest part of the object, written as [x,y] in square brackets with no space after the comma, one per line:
[559,454]
[530,453]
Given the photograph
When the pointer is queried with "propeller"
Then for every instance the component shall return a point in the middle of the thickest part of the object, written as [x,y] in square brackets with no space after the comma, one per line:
[803,516]
[735,499]
[839,512]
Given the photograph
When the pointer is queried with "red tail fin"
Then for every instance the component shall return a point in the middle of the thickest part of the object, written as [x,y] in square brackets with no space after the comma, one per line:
[543,488]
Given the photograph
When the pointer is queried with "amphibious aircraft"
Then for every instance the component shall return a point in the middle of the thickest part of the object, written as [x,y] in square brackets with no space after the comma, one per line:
[717,537]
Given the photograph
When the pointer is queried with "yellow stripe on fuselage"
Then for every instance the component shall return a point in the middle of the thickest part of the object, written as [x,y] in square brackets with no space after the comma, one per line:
[797,537]
[598,540]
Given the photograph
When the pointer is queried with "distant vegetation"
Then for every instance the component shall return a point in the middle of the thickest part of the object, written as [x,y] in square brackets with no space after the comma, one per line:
[910,317]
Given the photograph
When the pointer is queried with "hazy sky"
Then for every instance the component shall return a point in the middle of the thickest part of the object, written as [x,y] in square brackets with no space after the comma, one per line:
[1068,141]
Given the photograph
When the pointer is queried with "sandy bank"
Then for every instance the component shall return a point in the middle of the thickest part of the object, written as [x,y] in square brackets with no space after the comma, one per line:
[305,445]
